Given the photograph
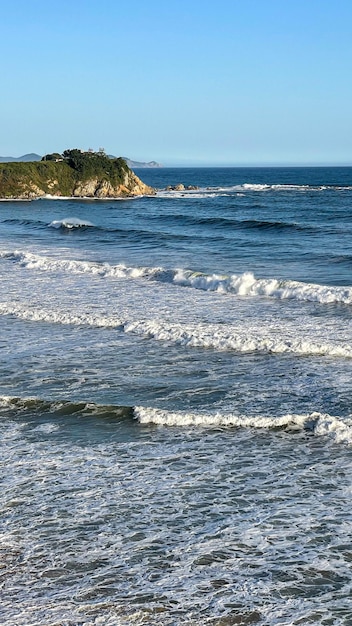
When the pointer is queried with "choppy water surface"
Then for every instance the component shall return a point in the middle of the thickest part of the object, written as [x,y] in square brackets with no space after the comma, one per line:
[175,401]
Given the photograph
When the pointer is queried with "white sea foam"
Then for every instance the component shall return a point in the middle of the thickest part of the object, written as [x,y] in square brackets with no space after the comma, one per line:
[46,428]
[321,424]
[318,423]
[222,338]
[59,316]
[253,187]
[248,285]
[280,187]
[70,223]
[49,196]
[230,338]
[213,192]
[48,264]
[245,284]
[189,194]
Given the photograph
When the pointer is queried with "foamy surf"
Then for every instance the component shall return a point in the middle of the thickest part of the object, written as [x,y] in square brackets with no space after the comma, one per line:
[32,261]
[245,284]
[318,423]
[243,189]
[222,338]
[248,285]
[229,338]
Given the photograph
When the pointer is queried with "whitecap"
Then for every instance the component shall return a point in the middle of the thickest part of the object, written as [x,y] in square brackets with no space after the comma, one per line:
[70,223]
[247,284]
[224,338]
[244,285]
[318,423]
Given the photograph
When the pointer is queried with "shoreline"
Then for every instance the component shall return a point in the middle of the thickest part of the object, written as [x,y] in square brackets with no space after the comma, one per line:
[90,198]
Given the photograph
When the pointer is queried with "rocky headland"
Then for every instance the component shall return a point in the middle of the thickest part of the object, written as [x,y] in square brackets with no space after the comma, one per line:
[73,174]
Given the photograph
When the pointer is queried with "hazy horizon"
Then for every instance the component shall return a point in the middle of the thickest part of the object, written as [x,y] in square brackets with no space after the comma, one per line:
[208,165]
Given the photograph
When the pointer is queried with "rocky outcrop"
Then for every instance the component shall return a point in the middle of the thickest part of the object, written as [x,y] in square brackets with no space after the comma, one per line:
[181,187]
[92,188]
[30,192]
[95,188]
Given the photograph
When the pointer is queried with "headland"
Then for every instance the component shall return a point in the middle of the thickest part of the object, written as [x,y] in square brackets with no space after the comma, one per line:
[74,174]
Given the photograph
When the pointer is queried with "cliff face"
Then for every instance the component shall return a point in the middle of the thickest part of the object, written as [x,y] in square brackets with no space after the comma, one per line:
[131,185]
[77,175]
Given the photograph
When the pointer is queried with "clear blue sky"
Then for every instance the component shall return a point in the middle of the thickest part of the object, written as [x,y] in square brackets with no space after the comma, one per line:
[230,82]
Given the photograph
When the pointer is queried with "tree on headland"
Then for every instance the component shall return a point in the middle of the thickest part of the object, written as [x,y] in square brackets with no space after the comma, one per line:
[55,156]
[89,164]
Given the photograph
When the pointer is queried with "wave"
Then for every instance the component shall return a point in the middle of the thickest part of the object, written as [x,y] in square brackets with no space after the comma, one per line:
[248,285]
[227,338]
[25,222]
[317,423]
[282,187]
[320,424]
[223,338]
[226,222]
[36,406]
[245,285]
[70,223]
[242,189]
[180,219]
[189,194]
[272,225]
[49,264]
[138,234]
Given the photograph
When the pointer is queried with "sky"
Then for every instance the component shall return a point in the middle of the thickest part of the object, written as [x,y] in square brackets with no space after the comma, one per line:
[186,82]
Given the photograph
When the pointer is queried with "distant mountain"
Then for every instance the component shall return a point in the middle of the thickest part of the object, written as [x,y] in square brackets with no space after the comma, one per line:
[36,157]
[26,157]
[133,164]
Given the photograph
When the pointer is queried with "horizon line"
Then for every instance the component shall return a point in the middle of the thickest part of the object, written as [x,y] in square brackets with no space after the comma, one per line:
[247,165]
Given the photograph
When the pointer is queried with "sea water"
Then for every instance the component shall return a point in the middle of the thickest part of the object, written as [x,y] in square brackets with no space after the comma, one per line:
[175,401]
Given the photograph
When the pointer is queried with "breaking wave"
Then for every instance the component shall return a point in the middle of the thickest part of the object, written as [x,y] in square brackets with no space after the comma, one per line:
[71,223]
[248,285]
[242,189]
[320,424]
[245,284]
[50,264]
[222,338]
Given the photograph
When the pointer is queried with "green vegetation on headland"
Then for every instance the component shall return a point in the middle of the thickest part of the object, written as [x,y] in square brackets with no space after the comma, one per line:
[73,174]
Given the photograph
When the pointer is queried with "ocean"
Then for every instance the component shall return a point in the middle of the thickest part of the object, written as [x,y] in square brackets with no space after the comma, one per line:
[175,401]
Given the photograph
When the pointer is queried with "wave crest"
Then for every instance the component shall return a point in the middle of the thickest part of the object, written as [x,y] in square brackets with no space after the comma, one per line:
[248,285]
[205,336]
[318,423]
[245,284]
[71,223]
[35,406]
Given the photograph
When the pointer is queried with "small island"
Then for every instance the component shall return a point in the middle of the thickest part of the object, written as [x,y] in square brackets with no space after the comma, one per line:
[74,174]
